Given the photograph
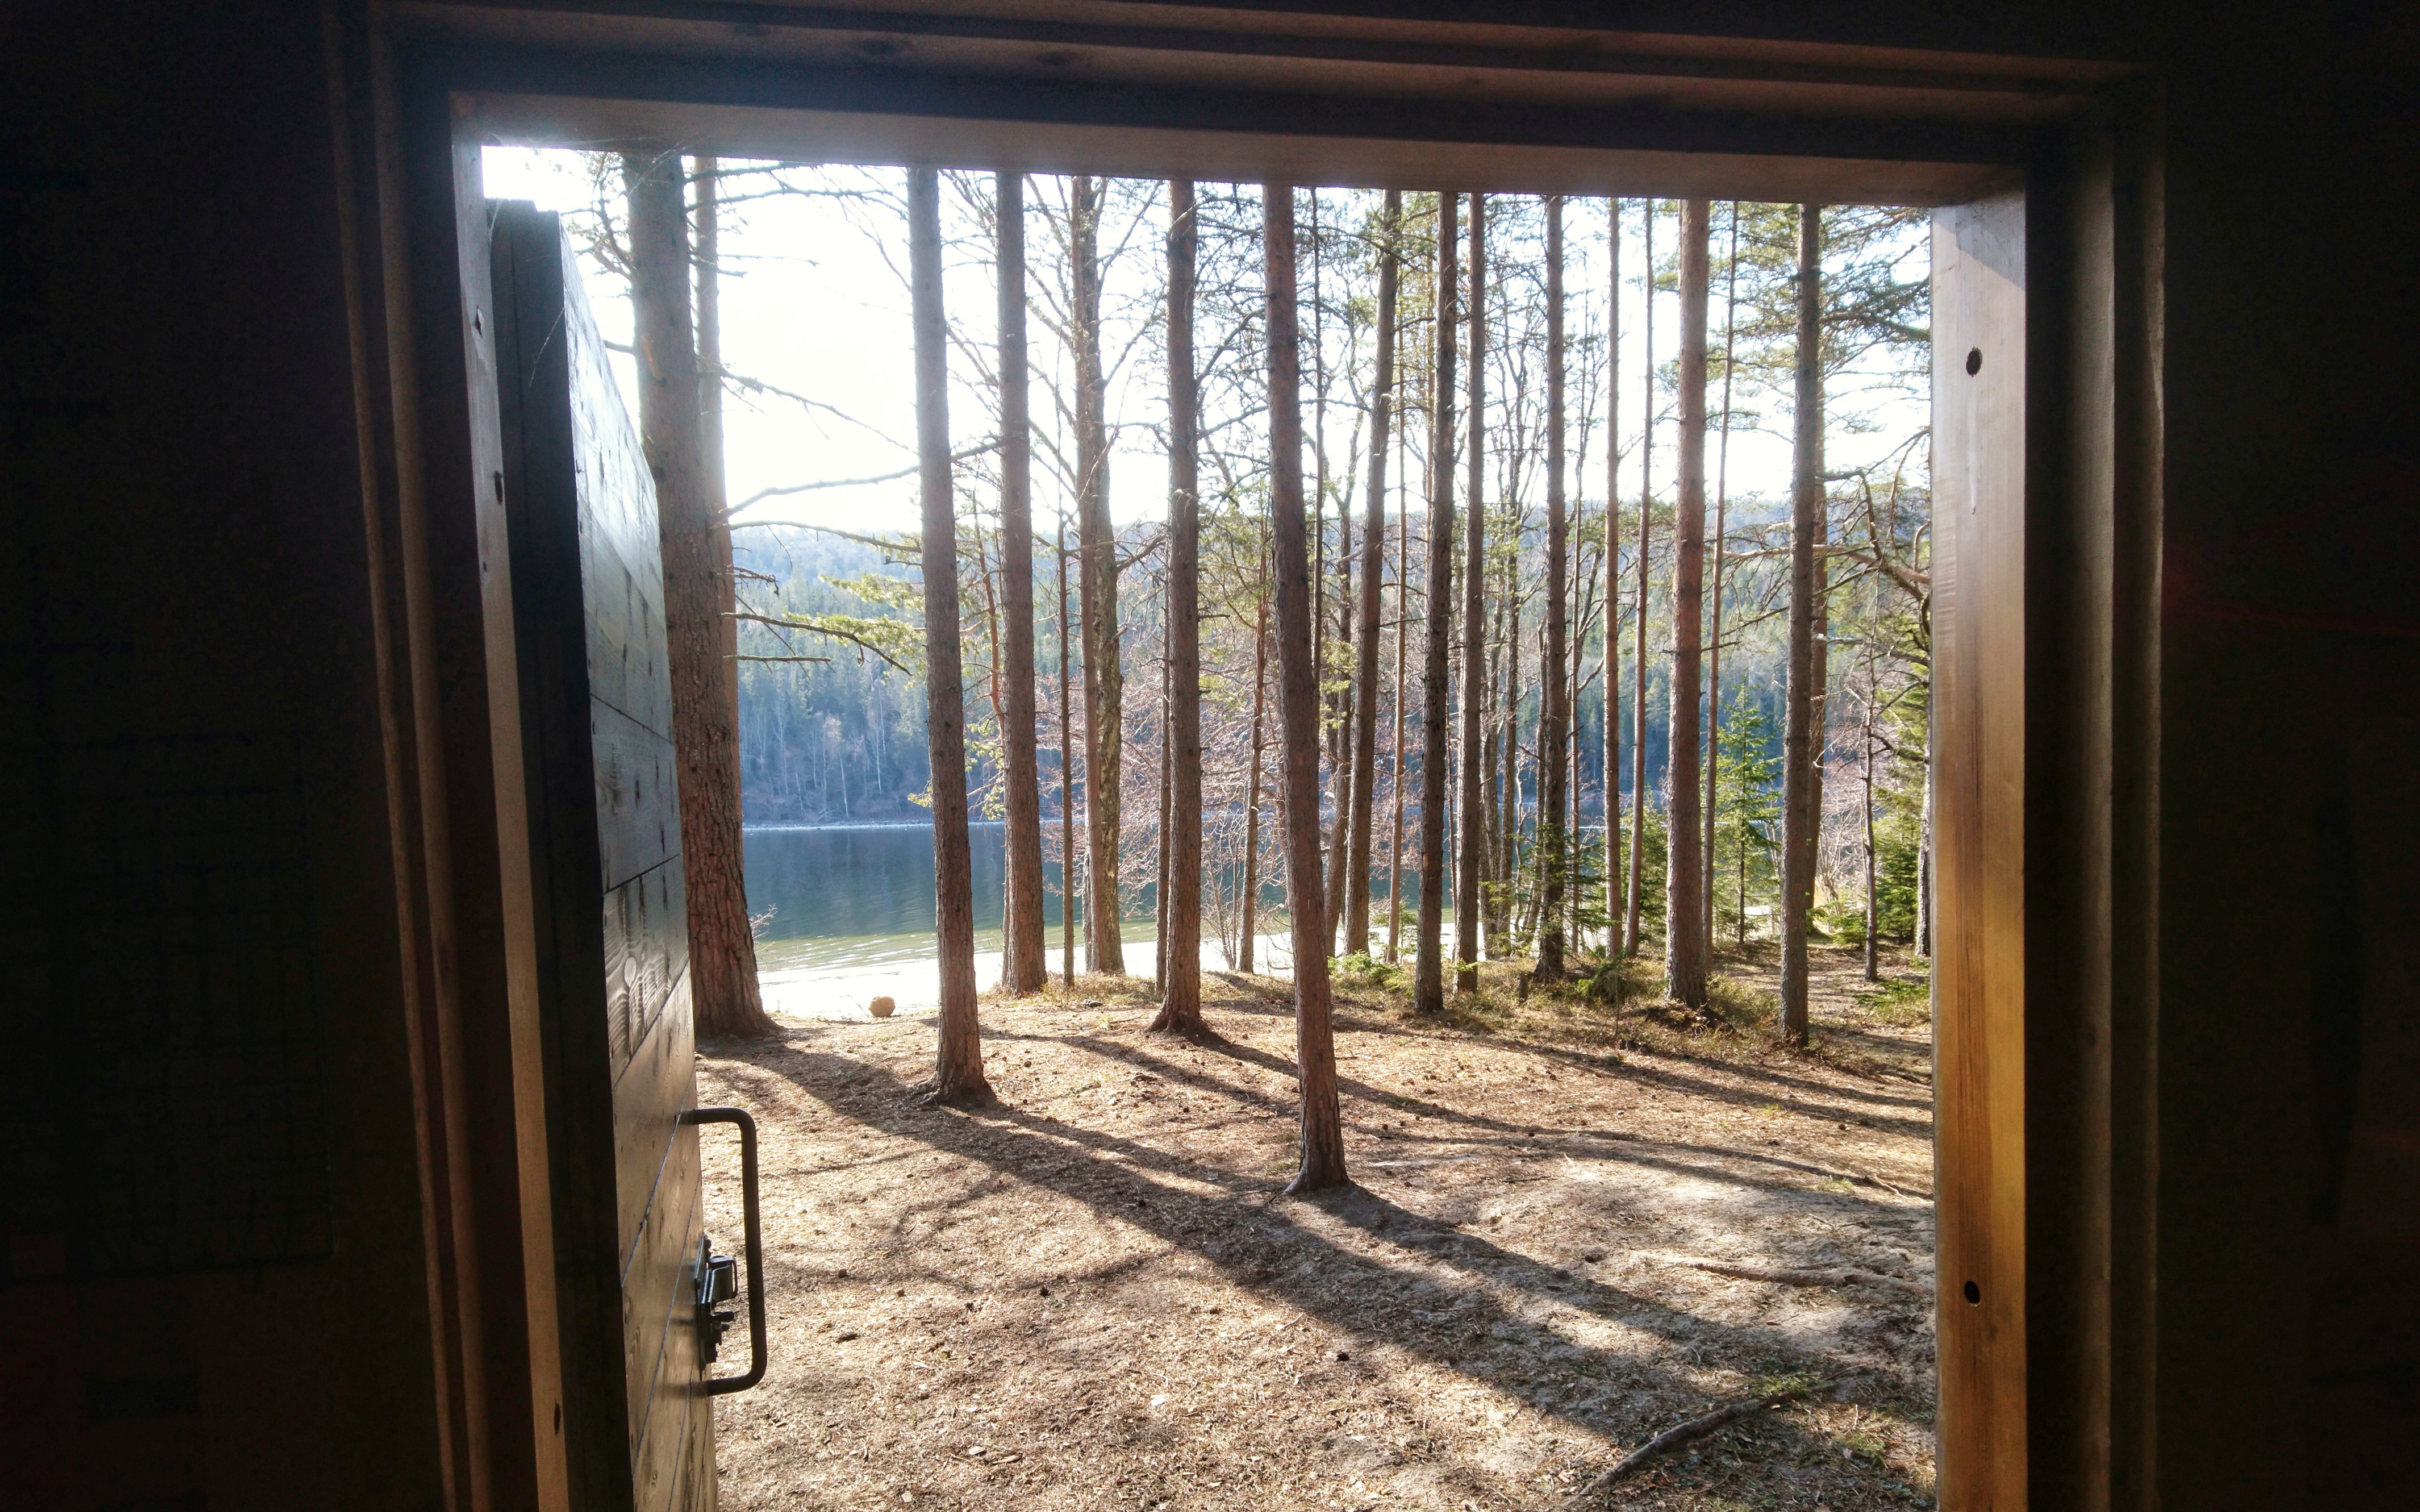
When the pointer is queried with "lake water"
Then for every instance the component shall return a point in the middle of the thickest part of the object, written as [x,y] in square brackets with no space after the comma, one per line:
[849,895]
[862,894]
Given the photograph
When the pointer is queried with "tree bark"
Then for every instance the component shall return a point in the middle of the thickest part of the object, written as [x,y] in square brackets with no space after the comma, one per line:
[1373,572]
[1873,914]
[1466,899]
[718,500]
[1507,804]
[1252,798]
[1799,712]
[1160,833]
[1609,737]
[1553,714]
[1428,977]
[1395,752]
[957,1066]
[722,945]
[1069,897]
[1638,672]
[1097,553]
[1684,909]
[1180,947]
[1028,956]
[1322,1130]
[1722,505]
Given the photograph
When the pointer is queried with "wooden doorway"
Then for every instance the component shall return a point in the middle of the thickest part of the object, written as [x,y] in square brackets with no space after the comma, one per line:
[2048,443]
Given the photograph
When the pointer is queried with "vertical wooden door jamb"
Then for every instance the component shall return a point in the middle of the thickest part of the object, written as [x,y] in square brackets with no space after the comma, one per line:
[484,1091]
[1979,714]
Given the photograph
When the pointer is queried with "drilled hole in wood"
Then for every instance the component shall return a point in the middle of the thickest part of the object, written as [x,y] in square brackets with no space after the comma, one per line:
[1974,360]
[1973,1292]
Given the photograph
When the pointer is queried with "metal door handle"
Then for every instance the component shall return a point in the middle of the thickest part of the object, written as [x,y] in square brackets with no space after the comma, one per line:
[722,1385]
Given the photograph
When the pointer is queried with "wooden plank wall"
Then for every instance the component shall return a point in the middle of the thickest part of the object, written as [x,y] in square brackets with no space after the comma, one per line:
[589,595]
[1978,744]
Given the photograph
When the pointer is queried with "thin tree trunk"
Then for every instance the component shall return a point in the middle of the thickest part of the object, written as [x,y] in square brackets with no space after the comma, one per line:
[1336,717]
[1252,800]
[1509,799]
[1322,1130]
[1097,551]
[1638,690]
[1070,898]
[1554,714]
[709,363]
[1685,911]
[1799,713]
[1873,917]
[1819,691]
[1924,852]
[722,945]
[1722,503]
[1428,988]
[1467,902]
[1180,945]
[1373,572]
[1395,758]
[1159,840]
[1028,957]
[1609,743]
[957,1067]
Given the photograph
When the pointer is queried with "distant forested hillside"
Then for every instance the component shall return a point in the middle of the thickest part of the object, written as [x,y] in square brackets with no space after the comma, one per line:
[832,740]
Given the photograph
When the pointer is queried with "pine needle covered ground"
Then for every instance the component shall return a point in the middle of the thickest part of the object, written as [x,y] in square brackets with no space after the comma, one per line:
[1090,1295]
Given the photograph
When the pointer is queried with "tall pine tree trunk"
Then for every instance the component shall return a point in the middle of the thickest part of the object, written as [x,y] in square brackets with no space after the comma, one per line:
[1070,902]
[957,1068]
[1467,902]
[1609,742]
[1798,729]
[721,947]
[1508,807]
[1252,798]
[1374,573]
[1322,1129]
[1722,505]
[1028,960]
[1180,945]
[1395,755]
[1553,713]
[718,498]
[1097,554]
[1873,916]
[1637,905]
[1428,977]
[1684,909]
[1160,833]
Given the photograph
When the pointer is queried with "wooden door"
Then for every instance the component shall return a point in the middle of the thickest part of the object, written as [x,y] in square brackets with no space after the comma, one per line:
[587,585]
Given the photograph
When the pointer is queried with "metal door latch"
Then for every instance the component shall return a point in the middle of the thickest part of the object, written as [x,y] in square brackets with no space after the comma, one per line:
[717,1276]
[717,1282]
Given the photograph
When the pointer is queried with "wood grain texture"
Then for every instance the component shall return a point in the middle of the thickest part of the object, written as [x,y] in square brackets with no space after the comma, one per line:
[1978,732]
[605,823]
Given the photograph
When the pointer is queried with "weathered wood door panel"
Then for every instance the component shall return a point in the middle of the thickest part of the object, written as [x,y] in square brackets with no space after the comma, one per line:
[605,847]
[1978,732]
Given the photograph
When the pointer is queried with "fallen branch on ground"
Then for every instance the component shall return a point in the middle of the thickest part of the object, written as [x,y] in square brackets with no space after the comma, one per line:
[1696,1428]
[1861,1179]
[1813,1278]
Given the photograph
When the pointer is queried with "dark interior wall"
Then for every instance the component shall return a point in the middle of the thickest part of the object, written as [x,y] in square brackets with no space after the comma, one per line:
[184,605]
[214,1290]
[2289,1282]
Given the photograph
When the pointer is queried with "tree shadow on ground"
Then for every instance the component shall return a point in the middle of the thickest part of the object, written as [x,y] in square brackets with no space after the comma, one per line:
[1248,1237]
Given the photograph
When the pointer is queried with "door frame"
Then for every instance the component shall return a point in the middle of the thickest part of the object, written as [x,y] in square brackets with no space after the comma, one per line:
[2052,1403]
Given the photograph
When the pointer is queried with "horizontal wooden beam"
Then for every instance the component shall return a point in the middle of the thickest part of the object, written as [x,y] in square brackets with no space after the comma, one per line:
[882,138]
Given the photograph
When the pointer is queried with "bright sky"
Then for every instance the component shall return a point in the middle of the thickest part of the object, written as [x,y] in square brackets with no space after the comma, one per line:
[814,302]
